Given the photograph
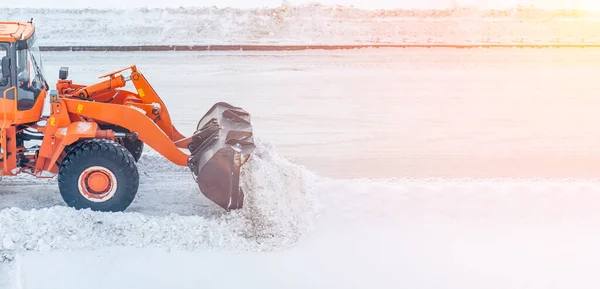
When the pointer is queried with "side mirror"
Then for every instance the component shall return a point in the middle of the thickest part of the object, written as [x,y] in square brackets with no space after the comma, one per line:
[5,66]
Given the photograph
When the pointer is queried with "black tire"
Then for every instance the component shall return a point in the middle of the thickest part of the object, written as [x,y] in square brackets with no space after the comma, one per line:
[136,148]
[113,161]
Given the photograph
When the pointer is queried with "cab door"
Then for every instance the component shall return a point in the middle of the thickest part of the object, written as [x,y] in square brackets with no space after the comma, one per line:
[8,90]
[8,113]
[5,80]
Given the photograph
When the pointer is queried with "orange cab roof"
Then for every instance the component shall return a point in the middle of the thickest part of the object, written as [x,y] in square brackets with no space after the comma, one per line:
[13,31]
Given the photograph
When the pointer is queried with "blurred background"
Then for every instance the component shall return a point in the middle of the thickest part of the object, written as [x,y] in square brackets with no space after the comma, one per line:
[374,4]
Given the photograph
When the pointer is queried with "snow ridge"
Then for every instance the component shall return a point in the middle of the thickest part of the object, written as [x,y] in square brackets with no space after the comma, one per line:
[280,206]
[310,24]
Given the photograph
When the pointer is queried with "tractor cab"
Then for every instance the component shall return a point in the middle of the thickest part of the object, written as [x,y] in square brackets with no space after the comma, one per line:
[22,83]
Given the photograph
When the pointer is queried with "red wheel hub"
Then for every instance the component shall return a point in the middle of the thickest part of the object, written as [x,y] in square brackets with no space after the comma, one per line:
[97,184]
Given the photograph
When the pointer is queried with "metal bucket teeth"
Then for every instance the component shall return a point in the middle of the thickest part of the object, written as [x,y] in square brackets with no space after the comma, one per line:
[222,143]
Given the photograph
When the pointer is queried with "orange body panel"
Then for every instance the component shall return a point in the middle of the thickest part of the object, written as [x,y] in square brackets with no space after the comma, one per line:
[10,115]
[8,108]
[148,95]
[79,111]
[133,120]
[9,160]
[143,112]
[104,86]
[60,132]
[33,114]
[13,31]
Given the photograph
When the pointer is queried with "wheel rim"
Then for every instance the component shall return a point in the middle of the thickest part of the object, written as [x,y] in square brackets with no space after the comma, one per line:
[97,184]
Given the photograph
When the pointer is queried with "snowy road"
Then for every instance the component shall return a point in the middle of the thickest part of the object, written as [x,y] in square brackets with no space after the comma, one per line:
[446,234]
[391,112]
[422,113]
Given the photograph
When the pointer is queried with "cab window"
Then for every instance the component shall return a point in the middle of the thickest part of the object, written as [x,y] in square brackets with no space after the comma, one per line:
[26,78]
[3,52]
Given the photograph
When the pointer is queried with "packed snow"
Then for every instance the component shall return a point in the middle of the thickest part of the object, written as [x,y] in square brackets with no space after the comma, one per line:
[424,233]
[280,206]
[83,127]
[305,24]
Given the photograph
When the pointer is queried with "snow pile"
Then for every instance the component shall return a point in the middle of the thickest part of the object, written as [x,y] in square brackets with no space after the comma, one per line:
[8,270]
[304,24]
[280,206]
[275,191]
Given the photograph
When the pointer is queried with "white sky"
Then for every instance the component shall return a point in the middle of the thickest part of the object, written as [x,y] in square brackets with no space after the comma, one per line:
[271,3]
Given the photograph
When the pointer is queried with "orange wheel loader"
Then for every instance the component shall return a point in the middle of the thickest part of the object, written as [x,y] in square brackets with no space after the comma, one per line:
[95,133]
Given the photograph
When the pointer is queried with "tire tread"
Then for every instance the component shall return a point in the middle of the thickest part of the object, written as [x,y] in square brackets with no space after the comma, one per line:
[103,148]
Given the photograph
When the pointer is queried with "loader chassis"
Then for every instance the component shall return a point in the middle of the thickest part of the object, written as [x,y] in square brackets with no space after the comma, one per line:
[96,133]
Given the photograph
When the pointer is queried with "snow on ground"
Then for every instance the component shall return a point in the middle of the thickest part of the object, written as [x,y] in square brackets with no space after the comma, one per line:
[280,207]
[169,213]
[299,230]
[420,233]
[305,24]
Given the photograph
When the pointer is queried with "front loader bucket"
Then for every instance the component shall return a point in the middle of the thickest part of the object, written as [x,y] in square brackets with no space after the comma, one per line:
[221,144]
